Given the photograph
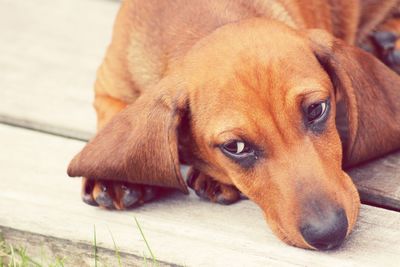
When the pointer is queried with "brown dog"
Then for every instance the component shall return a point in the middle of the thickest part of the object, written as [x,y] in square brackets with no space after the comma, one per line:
[253,97]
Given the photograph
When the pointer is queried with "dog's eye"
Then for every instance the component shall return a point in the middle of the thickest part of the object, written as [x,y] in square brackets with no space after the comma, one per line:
[316,111]
[240,152]
[236,147]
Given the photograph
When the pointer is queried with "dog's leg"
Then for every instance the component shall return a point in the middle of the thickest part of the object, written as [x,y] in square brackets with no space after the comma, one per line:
[208,188]
[113,194]
[384,43]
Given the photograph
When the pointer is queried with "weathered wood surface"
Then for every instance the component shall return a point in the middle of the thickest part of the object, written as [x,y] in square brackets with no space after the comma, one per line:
[45,249]
[50,52]
[379,181]
[37,196]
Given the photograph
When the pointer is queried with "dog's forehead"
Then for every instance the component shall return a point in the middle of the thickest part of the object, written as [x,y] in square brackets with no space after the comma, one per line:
[252,38]
[263,70]
[256,52]
[244,73]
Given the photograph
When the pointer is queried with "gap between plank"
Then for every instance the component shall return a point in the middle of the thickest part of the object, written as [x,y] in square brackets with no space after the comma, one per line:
[45,128]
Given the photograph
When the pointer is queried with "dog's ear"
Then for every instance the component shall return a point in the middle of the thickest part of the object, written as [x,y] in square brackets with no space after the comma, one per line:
[139,145]
[367,98]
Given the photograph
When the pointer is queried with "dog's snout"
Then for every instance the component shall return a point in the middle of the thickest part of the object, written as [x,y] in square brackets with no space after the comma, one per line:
[326,232]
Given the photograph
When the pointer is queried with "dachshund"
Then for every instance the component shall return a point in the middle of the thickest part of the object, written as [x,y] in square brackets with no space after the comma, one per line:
[271,99]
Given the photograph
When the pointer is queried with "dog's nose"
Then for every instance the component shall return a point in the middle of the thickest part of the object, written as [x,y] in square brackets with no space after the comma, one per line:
[327,232]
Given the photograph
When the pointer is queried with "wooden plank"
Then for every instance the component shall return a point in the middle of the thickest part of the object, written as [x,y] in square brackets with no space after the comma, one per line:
[50,50]
[38,197]
[379,181]
[49,58]
[46,81]
[45,249]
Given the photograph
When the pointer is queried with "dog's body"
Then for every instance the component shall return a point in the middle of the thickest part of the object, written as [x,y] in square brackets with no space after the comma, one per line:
[241,90]
[151,36]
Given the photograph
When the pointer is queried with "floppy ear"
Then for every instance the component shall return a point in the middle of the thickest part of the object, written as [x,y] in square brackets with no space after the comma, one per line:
[139,145]
[367,97]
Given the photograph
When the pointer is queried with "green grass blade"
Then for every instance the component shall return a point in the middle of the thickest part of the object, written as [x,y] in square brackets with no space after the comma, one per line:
[147,244]
[60,261]
[13,260]
[144,260]
[25,258]
[94,245]
[11,256]
[115,248]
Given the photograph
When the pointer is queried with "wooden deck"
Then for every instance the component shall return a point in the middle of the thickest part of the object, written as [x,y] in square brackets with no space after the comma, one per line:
[50,50]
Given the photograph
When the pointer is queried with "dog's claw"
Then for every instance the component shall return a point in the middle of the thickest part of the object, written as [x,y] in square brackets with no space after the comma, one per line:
[149,193]
[130,196]
[191,177]
[207,188]
[201,189]
[386,48]
[384,40]
[222,200]
[102,195]
[394,58]
[88,199]
[116,195]
[87,188]
[105,200]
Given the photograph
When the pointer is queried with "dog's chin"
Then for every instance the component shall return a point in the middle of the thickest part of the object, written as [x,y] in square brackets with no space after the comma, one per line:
[293,237]
[294,240]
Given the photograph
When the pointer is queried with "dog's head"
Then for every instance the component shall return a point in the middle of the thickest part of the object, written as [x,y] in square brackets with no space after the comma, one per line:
[267,109]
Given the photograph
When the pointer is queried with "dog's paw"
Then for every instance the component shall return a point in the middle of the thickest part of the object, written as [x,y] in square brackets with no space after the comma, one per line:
[387,47]
[207,188]
[116,195]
